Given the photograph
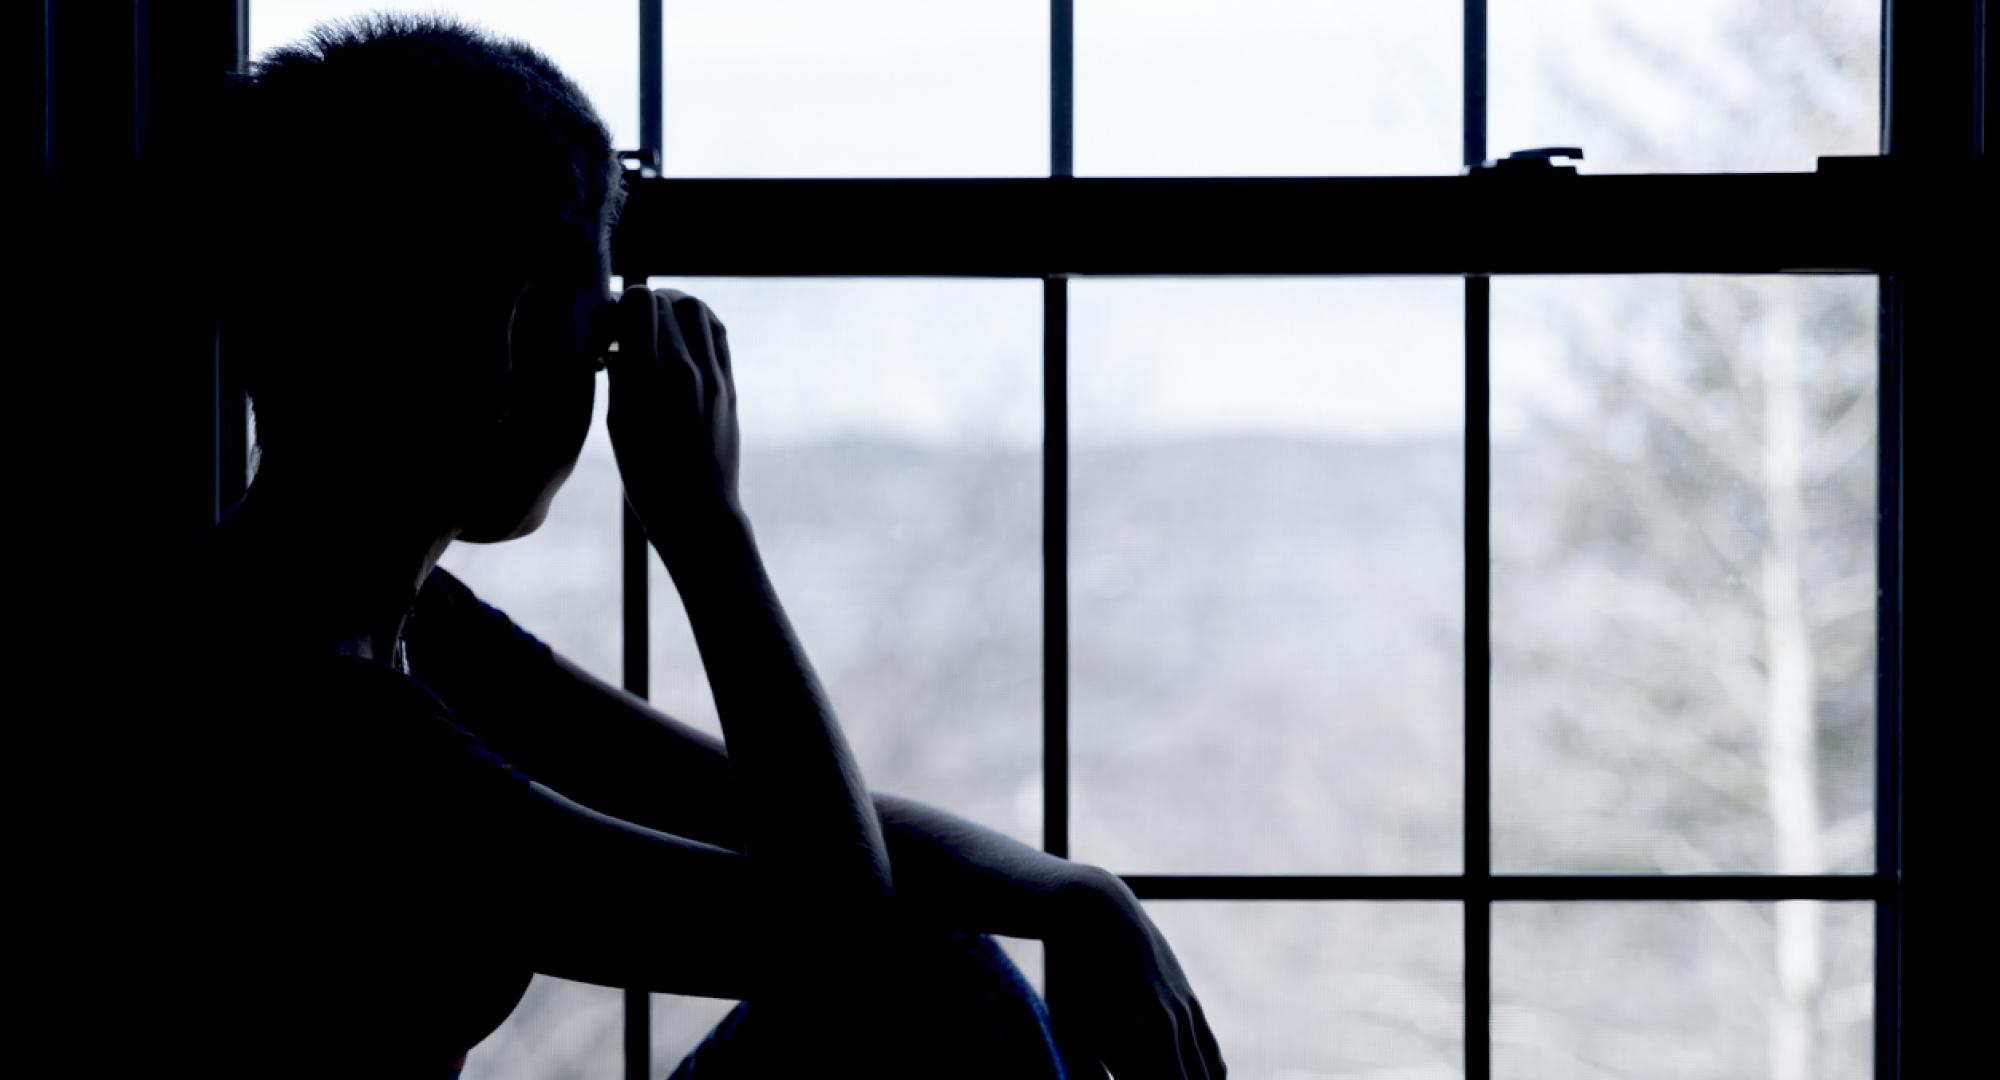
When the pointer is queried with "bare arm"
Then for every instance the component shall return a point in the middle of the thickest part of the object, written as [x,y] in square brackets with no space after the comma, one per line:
[964,874]
[368,821]
[617,753]
[808,822]
[810,827]
[611,749]
[596,899]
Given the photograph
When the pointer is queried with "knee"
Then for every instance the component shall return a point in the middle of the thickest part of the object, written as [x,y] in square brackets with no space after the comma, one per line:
[929,1002]
[968,1004]
[952,960]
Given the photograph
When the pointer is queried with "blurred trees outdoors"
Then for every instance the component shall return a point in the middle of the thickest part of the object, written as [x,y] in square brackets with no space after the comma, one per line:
[1684,592]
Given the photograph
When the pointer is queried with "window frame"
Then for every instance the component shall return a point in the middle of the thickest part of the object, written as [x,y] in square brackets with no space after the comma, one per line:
[1934,96]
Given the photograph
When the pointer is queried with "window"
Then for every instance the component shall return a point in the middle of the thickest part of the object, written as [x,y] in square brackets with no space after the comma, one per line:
[1462,601]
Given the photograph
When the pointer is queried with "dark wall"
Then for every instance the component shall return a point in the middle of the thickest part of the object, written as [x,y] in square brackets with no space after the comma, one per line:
[114,417]
[1942,309]
[129,356]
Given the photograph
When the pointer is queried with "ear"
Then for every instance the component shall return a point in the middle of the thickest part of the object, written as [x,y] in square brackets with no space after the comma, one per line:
[519,329]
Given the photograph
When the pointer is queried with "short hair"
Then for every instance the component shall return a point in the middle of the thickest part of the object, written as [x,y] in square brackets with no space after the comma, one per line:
[391,161]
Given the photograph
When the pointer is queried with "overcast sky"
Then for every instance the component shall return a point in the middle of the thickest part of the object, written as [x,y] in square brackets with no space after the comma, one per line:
[1163,87]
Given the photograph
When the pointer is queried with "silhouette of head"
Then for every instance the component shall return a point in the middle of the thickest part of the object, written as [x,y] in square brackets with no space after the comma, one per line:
[440,201]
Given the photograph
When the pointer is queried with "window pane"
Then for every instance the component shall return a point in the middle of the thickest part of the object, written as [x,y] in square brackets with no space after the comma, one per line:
[1266,556]
[1267,87]
[679,1024]
[892,469]
[590,40]
[1691,86]
[1684,499]
[864,88]
[560,1028]
[1719,990]
[1029,956]
[1296,989]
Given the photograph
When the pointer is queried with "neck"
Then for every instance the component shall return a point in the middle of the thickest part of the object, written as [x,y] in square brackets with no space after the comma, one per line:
[346,558]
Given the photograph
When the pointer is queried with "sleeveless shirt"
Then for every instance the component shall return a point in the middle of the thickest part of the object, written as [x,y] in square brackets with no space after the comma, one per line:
[351,860]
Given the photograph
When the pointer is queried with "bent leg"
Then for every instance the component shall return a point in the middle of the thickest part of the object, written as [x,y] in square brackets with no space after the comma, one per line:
[945,1004]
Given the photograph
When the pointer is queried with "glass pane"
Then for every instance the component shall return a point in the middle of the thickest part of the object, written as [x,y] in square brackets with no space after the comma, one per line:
[1652,991]
[1266,554]
[1028,955]
[1684,477]
[892,470]
[560,1028]
[864,88]
[1298,989]
[590,40]
[1691,86]
[679,1025]
[1267,87]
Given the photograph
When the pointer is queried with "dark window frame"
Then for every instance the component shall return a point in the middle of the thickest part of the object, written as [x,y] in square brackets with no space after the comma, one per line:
[1934,98]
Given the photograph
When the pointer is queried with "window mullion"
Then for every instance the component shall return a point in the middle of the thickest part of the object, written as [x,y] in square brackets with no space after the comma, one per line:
[1478,679]
[636,561]
[1062,88]
[1055,565]
[1478,868]
[1055,479]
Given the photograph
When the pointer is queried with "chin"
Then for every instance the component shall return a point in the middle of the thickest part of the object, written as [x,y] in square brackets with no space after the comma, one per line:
[527,523]
[513,521]
[500,528]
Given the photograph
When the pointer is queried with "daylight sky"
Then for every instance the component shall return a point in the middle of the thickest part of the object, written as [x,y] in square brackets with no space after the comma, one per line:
[1163,87]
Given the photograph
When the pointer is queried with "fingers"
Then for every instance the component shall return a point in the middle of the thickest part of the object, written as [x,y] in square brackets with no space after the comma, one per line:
[702,331]
[681,356]
[722,352]
[1079,1068]
[1154,1045]
[1176,1044]
[1195,1062]
[1179,1065]
[1210,1050]
[650,341]
[1079,1044]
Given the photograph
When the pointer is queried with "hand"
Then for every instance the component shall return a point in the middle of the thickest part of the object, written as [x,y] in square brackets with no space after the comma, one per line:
[1125,1001]
[672,417]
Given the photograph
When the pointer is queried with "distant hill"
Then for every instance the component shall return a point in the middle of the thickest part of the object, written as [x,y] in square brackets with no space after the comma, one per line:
[1264,634]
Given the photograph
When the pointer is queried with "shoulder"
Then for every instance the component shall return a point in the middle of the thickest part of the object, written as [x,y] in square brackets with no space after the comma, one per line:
[292,728]
[344,773]
[445,595]
[450,626]
[405,719]
[445,601]
[443,588]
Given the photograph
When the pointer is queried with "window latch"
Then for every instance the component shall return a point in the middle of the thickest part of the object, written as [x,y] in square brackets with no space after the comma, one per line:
[1537,161]
[644,162]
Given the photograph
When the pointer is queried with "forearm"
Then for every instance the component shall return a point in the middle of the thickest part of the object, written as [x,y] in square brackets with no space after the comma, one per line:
[959,873]
[808,814]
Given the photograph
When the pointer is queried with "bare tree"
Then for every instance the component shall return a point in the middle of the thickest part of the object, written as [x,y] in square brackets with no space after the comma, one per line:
[1684,570]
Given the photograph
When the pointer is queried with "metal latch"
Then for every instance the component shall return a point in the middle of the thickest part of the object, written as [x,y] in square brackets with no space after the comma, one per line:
[1538,161]
[644,162]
